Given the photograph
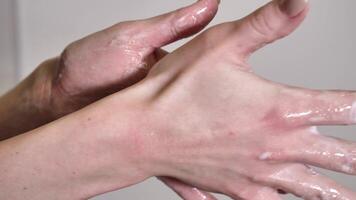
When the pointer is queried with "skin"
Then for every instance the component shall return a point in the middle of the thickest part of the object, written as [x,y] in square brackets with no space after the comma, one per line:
[201,116]
[99,65]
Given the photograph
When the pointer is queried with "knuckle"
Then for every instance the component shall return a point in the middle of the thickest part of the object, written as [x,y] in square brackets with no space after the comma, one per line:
[325,194]
[174,29]
[349,163]
[118,27]
[261,26]
[239,194]
[64,56]
[67,56]
[223,31]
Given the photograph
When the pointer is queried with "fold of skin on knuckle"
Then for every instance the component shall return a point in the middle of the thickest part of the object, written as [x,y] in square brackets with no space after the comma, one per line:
[267,23]
[275,117]
[260,25]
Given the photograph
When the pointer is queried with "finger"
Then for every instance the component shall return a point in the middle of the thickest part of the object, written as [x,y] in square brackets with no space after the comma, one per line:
[263,193]
[318,150]
[257,192]
[167,28]
[185,191]
[273,21]
[246,189]
[304,182]
[311,107]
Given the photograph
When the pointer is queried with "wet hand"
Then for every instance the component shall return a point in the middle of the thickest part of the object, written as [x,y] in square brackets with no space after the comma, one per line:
[115,58]
[208,120]
[120,56]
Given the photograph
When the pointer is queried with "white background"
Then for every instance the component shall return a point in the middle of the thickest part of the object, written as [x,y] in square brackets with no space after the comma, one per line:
[320,54]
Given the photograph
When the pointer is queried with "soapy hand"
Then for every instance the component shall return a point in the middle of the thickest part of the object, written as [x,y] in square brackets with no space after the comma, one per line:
[118,57]
[203,116]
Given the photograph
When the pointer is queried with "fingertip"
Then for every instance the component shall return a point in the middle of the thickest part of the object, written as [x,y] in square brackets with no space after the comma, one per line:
[195,17]
[182,23]
[275,20]
[293,8]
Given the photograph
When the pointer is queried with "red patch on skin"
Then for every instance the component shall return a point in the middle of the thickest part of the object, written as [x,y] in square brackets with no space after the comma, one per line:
[136,141]
[274,119]
[231,134]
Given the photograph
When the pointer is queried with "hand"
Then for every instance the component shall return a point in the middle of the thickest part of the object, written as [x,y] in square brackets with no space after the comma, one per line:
[96,66]
[203,116]
[116,58]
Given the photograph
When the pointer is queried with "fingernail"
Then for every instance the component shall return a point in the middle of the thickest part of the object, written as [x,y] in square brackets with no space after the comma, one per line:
[293,7]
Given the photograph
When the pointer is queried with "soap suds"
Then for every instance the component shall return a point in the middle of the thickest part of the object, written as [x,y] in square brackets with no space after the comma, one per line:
[314,130]
[265,156]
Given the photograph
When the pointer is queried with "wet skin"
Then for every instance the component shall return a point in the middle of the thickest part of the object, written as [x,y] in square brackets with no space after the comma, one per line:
[99,65]
[120,56]
[203,117]
[210,121]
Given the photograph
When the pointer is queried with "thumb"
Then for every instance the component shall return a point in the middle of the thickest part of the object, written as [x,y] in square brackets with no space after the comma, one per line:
[170,27]
[273,21]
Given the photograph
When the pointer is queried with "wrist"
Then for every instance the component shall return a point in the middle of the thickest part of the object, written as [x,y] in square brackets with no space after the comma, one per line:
[119,141]
[47,94]
[129,135]
[27,106]
[79,156]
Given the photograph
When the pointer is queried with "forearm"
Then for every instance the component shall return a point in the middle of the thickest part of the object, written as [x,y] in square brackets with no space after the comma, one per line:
[68,160]
[27,105]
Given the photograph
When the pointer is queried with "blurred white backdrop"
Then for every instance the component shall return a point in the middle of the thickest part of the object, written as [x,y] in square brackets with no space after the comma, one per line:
[320,54]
